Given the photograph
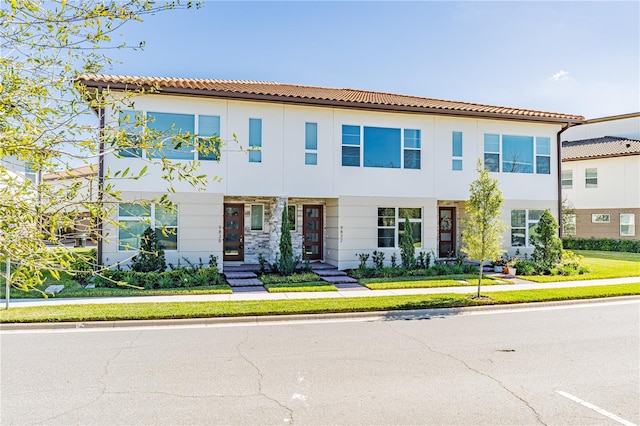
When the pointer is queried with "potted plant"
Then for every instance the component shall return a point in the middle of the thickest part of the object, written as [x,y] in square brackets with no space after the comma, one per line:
[498,265]
[511,264]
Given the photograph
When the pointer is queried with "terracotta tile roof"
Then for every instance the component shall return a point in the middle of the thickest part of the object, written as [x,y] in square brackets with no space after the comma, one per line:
[84,171]
[608,146]
[320,95]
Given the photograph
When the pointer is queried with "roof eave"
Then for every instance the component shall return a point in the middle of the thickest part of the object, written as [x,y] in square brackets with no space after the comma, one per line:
[327,102]
[597,157]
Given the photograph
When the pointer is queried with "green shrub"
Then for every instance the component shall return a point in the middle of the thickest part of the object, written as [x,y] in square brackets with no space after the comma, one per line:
[407,249]
[602,244]
[150,258]
[525,267]
[378,259]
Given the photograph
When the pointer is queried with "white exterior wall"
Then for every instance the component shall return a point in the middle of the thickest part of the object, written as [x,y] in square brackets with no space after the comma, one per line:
[352,194]
[618,183]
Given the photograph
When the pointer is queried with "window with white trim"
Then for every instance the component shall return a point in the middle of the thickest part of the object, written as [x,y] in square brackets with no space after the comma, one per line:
[135,218]
[456,150]
[627,224]
[522,224]
[517,154]
[381,147]
[569,225]
[311,144]
[255,140]
[591,178]
[391,225]
[567,179]
[257,217]
[600,218]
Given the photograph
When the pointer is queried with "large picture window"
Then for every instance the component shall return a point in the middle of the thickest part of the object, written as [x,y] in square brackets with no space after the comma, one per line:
[134,219]
[522,224]
[168,125]
[382,147]
[517,154]
[391,225]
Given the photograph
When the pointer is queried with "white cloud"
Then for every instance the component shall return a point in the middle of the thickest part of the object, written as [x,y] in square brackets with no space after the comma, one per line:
[560,76]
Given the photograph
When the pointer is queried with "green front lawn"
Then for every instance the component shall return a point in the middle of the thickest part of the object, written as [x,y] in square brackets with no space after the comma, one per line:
[428,282]
[601,264]
[300,287]
[132,311]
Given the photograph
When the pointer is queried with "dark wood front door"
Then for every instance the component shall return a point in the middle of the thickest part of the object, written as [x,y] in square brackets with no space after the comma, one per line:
[312,226]
[446,231]
[233,249]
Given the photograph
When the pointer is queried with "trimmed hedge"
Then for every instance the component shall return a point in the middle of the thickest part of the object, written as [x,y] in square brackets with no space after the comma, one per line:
[601,244]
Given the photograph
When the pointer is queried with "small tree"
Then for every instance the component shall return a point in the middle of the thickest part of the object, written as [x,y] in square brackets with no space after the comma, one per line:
[548,247]
[150,258]
[287,263]
[407,249]
[482,237]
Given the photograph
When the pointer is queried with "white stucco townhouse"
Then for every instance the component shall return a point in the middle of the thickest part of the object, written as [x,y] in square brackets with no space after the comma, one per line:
[350,164]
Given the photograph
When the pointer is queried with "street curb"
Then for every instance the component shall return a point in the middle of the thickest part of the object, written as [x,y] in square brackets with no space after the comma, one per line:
[411,314]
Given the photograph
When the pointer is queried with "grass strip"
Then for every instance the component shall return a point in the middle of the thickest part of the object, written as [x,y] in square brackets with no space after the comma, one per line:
[147,311]
[390,285]
[300,287]
[79,291]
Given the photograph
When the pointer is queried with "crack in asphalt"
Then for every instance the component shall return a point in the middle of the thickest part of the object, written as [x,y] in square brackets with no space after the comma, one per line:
[502,385]
[101,381]
[289,418]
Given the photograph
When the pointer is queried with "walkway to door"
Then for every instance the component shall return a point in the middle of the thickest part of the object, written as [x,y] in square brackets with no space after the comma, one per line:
[245,276]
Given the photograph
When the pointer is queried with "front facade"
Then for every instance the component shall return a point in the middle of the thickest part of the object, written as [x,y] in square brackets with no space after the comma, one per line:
[349,166]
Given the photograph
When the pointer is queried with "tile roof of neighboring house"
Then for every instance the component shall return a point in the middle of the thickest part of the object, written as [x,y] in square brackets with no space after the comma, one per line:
[278,92]
[608,146]
[84,171]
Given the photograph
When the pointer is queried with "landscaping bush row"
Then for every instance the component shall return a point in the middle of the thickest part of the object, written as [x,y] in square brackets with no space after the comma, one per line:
[602,244]
[180,277]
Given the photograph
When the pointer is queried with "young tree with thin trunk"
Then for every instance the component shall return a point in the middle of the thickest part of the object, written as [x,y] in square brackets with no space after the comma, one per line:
[48,121]
[482,236]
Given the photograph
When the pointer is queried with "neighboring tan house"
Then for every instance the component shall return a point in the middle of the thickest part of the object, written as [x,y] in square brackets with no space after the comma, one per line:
[350,165]
[601,178]
[80,184]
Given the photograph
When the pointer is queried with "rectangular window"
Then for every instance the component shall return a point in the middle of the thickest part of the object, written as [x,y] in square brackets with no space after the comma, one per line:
[255,140]
[492,152]
[166,125]
[30,173]
[134,219]
[567,179]
[381,147]
[543,156]
[291,212]
[456,150]
[600,218]
[522,224]
[350,145]
[517,154]
[311,143]
[591,178]
[627,224]
[412,146]
[209,142]
[257,217]
[391,225]
[131,123]
[569,225]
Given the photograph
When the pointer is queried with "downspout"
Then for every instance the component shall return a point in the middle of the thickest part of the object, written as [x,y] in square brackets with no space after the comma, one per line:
[100,175]
[559,161]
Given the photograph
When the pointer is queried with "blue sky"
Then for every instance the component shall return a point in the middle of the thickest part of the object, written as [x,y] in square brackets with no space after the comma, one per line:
[573,57]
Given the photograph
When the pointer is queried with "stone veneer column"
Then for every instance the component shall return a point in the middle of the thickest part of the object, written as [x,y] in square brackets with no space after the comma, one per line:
[275,228]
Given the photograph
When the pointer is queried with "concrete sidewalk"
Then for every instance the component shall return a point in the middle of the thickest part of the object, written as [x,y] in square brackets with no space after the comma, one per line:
[258,293]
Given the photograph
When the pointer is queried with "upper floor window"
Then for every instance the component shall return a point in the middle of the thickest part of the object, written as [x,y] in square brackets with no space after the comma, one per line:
[167,127]
[567,179]
[591,178]
[350,145]
[134,219]
[311,143]
[255,140]
[456,150]
[381,147]
[515,154]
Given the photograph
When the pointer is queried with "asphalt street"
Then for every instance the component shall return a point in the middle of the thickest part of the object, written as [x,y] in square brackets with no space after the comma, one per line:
[567,365]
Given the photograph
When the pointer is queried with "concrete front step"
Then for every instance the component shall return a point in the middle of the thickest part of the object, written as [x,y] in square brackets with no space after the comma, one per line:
[340,280]
[244,282]
[350,286]
[330,273]
[239,275]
